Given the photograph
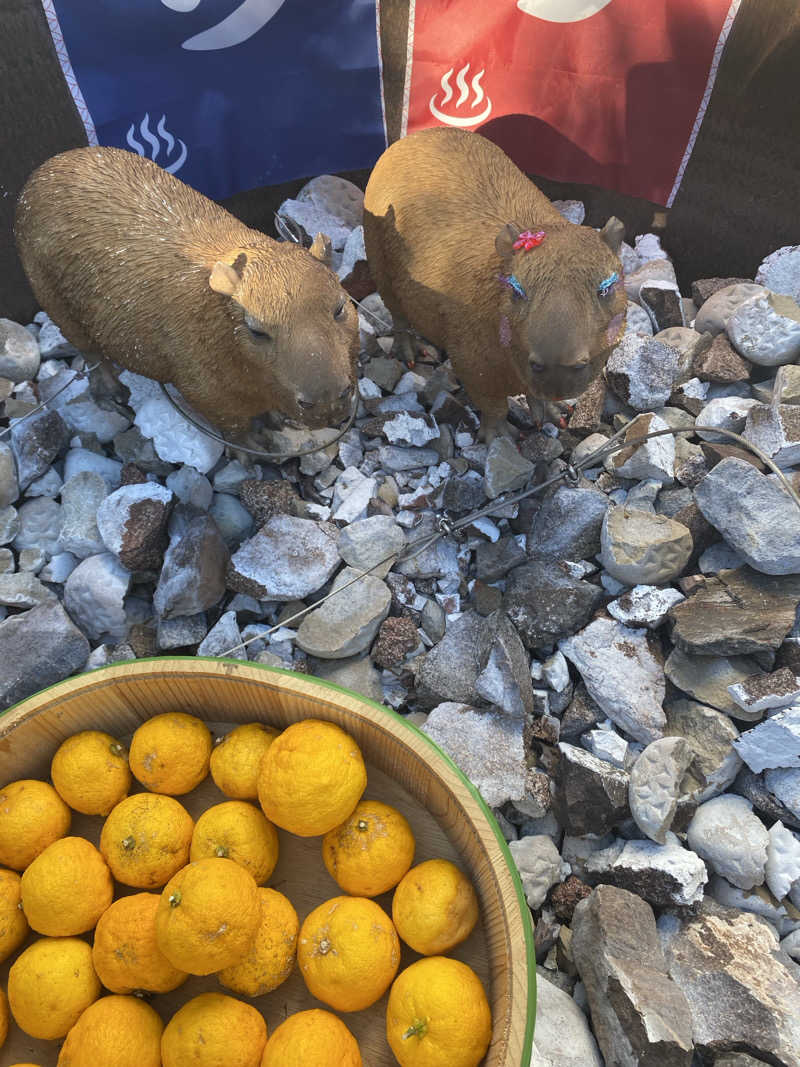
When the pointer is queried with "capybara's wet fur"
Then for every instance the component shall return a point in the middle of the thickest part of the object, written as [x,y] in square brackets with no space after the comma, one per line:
[137,267]
[442,210]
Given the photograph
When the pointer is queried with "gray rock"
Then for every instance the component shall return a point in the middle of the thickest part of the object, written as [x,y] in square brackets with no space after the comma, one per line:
[776,431]
[710,736]
[784,784]
[191,487]
[754,515]
[764,692]
[287,559]
[438,560]
[230,477]
[82,459]
[622,674]
[638,547]
[409,428]
[505,681]
[720,557]
[433,620]
[368,542]
[572,210]
[38,648]
[352,493]
[133,447]
[133,524]
[35,442]
[651,270]
[726,412]
[326,204]
[493,561]
[464,494]
[775,742]
[19,352]
[94,595]
[783,860]
[181,631]
[452,667]
[356,673]
[765,329]
[31,559]
[81,496]
[655,785]
[506,469]
[9,489]
[591,795]
[487,746]
[23,590]
[48,485]
[52,343]
[780,271]
[639,1014]
[394,458]
[651,459]
[348,623]
[544,602]
[72,398]
[9,525]
[690,346]
[644,605]
[606,745]
[637,320]
[192,578]
[6,561]
[567,526]
[539,865]
[233,520]
[706,678]
[222,639]
[642,371]
[732,840]
[563,1037]
[741,988]
[666,875]
[718,308]
[39,525]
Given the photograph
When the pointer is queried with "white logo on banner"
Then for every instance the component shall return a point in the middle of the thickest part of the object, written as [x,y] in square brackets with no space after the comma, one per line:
[155,145]
[447,94]
[560,10]
[245,20]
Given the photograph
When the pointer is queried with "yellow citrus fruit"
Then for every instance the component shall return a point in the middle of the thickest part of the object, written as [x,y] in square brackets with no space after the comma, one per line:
[13,924]
[312,1038]
[238,831]
[125,953]
[207,916]
[50,984]
[115,1032]
[90,772]
[311,778]
[214,1030]
[146,839]
[3,1018]
[371,850]
[438,1015]
[236,759]
[67,888]
[32,816]
[170,753]
[348,952]
[270,958]
[434,907]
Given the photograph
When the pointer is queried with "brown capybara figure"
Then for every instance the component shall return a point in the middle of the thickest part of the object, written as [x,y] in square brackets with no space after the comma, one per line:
[136,266]
[466,250]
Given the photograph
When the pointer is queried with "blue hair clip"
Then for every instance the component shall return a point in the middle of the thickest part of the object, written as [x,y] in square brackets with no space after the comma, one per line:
[606,285]
[514,284]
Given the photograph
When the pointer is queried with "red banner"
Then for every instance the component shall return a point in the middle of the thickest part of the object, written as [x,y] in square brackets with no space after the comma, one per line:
[606,92]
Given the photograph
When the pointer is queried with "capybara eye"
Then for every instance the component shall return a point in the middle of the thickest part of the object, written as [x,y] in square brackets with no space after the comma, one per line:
[535,367]
[305,403]
[262,335]
[340,310]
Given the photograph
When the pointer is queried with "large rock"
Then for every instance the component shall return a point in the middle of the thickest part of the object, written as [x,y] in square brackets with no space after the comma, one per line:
[38,648]
[639,1015]
[665,875]
[721,363]
[738,612]
[765,329]
[72,398]
[710,735]
[94,596]
[495,560]
[655,784]
[288,559]
[718,308]
[23,590]
[38,526]
[505,468]
[622,674]
[133,524]
[591,794]
[451,669]
[193,575]
[780,271]
[706,678]
[567,525]
[775,742]
[756,516]
[654,458]
[642,371]
[19,352]
[731,839]
[375,543]
[563,1037]
[505,681]
[223,639]
[726,413]
[545,602]
[539,865]
[35,442]
[356,673]
[641,547]
[347,623]
[81,496]
[776,431]
[742,990]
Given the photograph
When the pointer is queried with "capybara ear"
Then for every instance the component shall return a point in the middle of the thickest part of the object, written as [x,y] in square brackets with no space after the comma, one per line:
[504,242]
[223,278]
[612,233]
[322,249]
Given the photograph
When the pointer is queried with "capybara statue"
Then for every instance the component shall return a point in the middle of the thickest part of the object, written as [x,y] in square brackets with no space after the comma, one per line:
[466,250]
[135,266]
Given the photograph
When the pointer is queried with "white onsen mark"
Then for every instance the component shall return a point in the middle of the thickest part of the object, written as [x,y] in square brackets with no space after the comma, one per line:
[155,144]
[447,94]
[560,10]
[245,20]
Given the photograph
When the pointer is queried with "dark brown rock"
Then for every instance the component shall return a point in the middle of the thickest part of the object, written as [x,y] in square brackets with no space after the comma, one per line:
[664,306]
[703,288]
[396,637]
[566,896]
[265,499]
[132,475]
[486,598]
[721,363]
[144,536]
[494,561]
[591,794]
[581,715]
[715,453]
[545,603]
[587,416]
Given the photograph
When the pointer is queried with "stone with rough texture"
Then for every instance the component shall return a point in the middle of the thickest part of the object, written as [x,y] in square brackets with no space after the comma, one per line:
[655,270]
[567,525]
[505,681]
[780,271]
[539,865]
[23,590]
[493,561]
[650,459]
[19,352]
[326,204]
[191,487]
[368,542]
[265,499]
[655,783]
[639,1014]
[642,371]
[563,1037]
[764,692]
[783,860]
[775,742]
[72,398]
[39,524]
[644,605]
[9,525]
[235,522]
[35,442]
[742,990]
[725,412]
[690,345]
[287,559]
[347,623]
[639,547]
[710,735]
[706,678]
[192,577]
[704,288]
[784,784]
[356,673]
[488,747]
[222,639]
[732,840]
[765,329]
[721,363]
[591,795]
[606,745]
[38,648]
[94,594]
[622,675]
[544,602]
[9,487]
[82,459]
[755,516]
[715,311]
[665,875]
[776,431]
[182,631]
[452,667]
[81,497]
[133,524]
[506,469]
[737,612]
[398,635]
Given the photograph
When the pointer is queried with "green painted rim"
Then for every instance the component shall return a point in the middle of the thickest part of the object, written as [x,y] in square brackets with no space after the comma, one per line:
[527,924]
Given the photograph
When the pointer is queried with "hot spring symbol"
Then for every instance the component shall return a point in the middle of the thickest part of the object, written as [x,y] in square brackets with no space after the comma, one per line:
[155,145]
[447,93]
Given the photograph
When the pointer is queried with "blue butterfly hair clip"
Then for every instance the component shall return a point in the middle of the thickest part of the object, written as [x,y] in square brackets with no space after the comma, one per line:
[510,281]
[607,284]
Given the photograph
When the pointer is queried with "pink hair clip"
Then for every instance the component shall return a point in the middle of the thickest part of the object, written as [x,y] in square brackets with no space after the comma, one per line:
[527,240]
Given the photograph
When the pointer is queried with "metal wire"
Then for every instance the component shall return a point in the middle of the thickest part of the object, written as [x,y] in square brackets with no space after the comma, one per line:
[76,376]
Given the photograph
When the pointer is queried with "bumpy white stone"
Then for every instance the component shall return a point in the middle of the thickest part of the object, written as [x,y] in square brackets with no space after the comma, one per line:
[783,860]
[352,494]
[719,307]
[731,839]
[655,785]
[645,605]
[94,595]
[776,431]
[780,271]
[78,408]
[775,742]
[766,329]
[287,559]
[556,672]
[563,1037]
[539,865]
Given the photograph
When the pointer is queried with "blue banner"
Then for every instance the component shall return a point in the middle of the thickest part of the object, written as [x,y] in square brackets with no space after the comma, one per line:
[227,95]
